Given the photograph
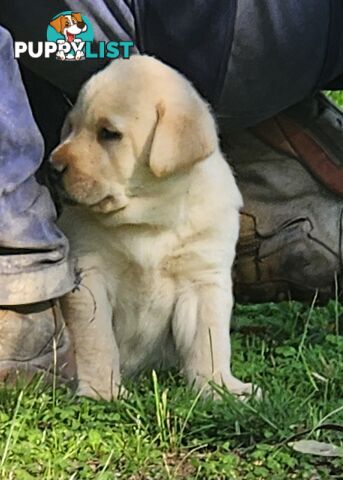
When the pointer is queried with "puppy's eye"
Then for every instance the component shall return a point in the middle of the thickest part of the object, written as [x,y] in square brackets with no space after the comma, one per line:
[105,134]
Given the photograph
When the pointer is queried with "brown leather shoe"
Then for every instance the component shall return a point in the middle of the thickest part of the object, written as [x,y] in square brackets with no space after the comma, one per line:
[34,340]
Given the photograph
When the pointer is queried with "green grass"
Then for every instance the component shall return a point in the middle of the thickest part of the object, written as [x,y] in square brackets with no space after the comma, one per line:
[164,431]
[337,97]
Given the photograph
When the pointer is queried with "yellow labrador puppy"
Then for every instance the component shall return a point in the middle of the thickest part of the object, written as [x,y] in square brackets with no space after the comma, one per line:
[154,227]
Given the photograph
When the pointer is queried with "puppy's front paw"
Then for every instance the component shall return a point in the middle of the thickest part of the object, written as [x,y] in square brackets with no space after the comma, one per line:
[231,384]
[86,389]
[240,389]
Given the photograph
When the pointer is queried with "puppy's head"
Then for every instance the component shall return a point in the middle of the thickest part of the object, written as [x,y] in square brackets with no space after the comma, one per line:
[136,115]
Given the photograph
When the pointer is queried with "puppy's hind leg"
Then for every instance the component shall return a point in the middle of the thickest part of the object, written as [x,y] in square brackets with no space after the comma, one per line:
[88,314]
[201,333]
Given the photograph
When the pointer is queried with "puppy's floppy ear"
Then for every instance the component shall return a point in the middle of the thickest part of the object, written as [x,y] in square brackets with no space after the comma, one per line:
[66,128]
[77,17]
[185,133]
[57,24]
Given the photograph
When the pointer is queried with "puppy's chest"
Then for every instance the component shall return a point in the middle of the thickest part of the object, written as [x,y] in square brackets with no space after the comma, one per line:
[150,265]
[141,280]
[143,303]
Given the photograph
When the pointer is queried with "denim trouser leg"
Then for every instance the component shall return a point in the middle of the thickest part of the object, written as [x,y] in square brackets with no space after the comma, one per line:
[33,252]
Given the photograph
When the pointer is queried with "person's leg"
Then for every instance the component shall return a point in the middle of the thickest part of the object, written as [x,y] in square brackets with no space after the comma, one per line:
[33,261]
[34,265]
[277,57]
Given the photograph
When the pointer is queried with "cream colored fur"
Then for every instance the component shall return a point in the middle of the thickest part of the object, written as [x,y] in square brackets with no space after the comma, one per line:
[154,230]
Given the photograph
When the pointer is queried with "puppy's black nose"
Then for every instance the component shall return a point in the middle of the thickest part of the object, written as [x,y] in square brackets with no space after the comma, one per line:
[81,24]
[56,175]
[54,182]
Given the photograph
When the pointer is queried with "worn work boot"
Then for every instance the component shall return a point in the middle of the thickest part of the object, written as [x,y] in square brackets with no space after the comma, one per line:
[290,172]
[34,340]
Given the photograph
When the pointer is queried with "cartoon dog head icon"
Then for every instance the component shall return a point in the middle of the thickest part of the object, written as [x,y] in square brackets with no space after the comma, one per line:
[69,25]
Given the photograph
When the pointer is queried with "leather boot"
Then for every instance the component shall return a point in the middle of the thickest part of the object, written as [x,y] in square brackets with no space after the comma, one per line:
[34,340]
[290,172]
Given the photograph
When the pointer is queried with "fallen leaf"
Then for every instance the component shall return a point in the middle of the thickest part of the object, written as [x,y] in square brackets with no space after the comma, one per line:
[312,447]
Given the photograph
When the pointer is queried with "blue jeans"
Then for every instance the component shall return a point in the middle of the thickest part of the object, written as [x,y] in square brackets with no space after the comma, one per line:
[34,262]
